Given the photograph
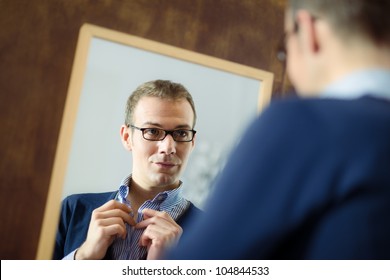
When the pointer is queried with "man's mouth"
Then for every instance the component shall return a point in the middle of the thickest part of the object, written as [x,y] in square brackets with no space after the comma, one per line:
[165,164]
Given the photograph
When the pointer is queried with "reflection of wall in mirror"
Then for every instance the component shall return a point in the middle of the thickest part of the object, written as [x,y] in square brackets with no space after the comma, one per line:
[206,162]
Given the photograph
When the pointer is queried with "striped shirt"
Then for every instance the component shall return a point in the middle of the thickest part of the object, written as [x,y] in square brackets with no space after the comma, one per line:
[171,202]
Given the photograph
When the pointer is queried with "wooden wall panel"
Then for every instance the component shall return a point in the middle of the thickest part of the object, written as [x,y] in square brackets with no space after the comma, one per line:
[37,45]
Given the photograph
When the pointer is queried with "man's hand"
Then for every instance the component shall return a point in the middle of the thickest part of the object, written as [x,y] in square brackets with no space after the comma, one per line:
[107,222]
[161,232]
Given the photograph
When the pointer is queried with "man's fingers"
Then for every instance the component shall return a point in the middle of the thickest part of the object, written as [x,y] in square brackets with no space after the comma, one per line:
[114,213]
[107,211]
[107,222]
[113,204]
[148,213]
[161,232]
[157,239]
[161,222]
[114,230]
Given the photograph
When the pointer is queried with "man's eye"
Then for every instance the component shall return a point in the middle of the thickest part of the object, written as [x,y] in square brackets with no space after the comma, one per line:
[181,133]
[152,131]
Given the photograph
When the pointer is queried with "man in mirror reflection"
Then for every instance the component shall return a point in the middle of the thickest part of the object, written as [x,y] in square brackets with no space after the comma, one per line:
[310,178]
[146,215]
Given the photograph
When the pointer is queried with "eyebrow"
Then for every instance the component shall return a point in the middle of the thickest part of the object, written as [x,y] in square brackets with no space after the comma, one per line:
[180,126]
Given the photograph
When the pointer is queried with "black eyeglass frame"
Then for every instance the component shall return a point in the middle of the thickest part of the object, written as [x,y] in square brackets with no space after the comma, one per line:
[166,132]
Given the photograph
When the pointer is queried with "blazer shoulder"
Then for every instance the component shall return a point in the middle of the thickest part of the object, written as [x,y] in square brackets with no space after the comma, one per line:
[88,199]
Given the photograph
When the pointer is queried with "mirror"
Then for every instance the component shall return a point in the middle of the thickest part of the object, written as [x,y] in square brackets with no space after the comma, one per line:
[108,66]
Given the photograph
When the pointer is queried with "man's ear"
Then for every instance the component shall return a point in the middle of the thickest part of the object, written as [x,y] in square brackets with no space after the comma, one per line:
[308,30]
[125,133]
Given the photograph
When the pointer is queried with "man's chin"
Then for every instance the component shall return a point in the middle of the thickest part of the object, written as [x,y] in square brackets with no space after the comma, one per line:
[164,180]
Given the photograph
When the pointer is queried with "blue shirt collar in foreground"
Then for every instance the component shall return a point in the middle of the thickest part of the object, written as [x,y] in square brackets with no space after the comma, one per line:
[373,82]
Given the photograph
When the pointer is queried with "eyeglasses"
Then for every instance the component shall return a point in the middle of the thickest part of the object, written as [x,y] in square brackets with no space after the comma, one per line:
[157,134]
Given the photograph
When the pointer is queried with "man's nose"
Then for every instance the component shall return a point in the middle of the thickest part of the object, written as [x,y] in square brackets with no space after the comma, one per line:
[168,145]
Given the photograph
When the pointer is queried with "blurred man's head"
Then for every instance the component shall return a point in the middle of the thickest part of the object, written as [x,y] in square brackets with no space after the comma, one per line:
[327,39]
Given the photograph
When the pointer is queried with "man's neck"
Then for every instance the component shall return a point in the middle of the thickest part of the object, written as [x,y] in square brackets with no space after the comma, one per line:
[139,194]
[343,61]
[359,55]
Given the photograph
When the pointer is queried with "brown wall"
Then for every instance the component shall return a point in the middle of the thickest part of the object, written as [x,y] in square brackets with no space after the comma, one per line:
[37,45]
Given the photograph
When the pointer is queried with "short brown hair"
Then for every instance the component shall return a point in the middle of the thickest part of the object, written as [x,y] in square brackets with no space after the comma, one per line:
[163,89]
[364,18]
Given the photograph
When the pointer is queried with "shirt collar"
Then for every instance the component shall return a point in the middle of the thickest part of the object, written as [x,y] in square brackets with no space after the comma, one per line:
[166,199]
[374,82]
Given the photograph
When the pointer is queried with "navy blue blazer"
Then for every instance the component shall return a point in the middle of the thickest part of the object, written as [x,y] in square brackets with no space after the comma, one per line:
[75,217]
[309,180]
